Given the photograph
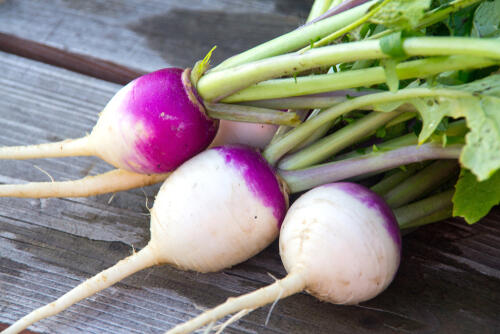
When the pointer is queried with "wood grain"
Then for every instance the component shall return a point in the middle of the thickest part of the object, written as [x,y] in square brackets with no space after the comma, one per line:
[449,280]
[148,35]
[87,65]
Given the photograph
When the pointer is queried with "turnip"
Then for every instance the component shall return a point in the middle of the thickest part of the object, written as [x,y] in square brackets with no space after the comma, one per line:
[158,121]
[340,242]
[151,125]
[216,210]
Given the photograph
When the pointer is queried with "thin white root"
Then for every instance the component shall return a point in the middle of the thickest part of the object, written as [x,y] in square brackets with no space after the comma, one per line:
[272,307]
[112,181]
[209,328]
[126,267]
[65,148]
[45,172]
[287,286]
[234,318]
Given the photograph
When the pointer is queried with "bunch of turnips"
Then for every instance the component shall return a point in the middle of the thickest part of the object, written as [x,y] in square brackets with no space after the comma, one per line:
[366,94]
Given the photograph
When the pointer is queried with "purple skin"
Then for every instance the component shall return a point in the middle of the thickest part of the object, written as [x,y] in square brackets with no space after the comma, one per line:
[259,177]
[373,201]
[177,128]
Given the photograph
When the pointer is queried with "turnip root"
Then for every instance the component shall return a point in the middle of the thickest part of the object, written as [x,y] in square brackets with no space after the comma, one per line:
[216,210]
[112,181]
[339,242]
[152,125]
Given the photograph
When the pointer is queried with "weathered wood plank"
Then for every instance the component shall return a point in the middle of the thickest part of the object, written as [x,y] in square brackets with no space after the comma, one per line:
[41,104]
[87,65]
[429,295]
[448,281]
[152,34]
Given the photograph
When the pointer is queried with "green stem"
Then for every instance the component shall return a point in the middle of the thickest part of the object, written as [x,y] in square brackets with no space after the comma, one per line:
[314,84]
[444,46]
[344,30]
[337,141]
[438,15]
[299,102]
[457,128]
[283,129]
[335,3]
[424,181]
[320,132]
[406,140]
[390,143]
[317,101]
[294,137]
[299,180]
[296,39]
[429,219]
[318,8]
[395,178]
[251,114]
[407,214]
[215,86]
[434,16]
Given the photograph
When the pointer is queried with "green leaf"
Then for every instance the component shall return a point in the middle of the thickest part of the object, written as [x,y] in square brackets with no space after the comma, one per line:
[201,66]
[391,74]
[381,132]
[388,107]
[401,14]
[489,86]
[480,108]
[392,45]
[433,110]
[460,23]
[473,199]
[481,153]
[486,19]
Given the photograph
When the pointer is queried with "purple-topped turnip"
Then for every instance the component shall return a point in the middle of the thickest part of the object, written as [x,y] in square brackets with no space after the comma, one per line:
[151,125]
[158,121]
[216,210]
[339,242]
[159,148]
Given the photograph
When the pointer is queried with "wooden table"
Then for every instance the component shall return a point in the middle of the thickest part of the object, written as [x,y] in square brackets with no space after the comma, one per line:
[61,61]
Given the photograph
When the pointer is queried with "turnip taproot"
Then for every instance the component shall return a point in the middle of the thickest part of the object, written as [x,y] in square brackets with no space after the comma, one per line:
[216,210]
[339,242]
[112,181]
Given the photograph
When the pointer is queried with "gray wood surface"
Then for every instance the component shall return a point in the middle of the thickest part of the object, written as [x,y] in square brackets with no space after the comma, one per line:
[449,280]
[152,34]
